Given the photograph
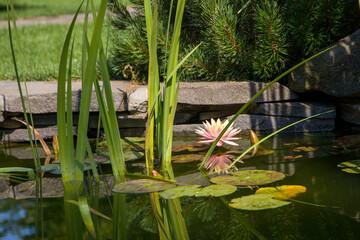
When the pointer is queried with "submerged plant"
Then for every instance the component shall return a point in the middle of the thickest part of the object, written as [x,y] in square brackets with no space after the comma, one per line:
[212,131]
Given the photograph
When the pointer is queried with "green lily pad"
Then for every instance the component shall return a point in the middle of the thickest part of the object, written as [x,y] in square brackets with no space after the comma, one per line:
[142,186]
[51,168]
[350,164]
[216,190]
[186,158]
[190,147]
[181,191]
[352,170]
[257,202]
[249,178]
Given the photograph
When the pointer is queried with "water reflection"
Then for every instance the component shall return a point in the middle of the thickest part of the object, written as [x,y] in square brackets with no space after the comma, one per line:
[209,218]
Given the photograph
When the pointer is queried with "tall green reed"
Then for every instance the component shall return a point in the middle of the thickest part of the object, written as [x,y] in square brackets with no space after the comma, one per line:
[31,133]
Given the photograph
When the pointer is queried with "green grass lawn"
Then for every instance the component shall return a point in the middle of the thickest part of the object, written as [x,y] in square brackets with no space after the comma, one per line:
[39,54]
[35,8]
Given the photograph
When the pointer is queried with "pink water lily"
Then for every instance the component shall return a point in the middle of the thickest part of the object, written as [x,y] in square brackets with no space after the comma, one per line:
[220,163]
[212,131]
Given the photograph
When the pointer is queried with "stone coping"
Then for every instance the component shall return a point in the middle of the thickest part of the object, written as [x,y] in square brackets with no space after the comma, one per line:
[197,102]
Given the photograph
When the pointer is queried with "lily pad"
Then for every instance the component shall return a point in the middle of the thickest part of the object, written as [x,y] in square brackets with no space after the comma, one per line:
[190,147]
[181,191]
[305,149]
[142,186]
[257,202]
[352,170]
[186,158]
[52,168]
[249,178]
[292,157]
[216,190]
[283,192]
[350,164]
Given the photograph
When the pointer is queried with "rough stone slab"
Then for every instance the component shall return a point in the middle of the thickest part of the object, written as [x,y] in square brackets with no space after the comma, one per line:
[43,96]
[137,101]
[294,109]
[24,152]
[2,108]
[225,93]
[216,114]
[21,134]
[335,72]
[6,190]
[350,112]
[51,188]
[261,123]
[181,117]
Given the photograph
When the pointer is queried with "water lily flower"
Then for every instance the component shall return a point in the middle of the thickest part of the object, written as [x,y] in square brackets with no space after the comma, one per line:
[212,131]
[220,163]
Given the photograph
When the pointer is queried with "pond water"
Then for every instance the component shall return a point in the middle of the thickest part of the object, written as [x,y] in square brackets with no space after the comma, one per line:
[329,209]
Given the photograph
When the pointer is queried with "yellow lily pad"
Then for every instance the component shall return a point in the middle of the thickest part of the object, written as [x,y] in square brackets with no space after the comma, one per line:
[282,192]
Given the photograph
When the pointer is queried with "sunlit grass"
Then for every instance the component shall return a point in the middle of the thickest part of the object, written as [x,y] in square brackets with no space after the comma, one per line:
[40,51]
[35,8]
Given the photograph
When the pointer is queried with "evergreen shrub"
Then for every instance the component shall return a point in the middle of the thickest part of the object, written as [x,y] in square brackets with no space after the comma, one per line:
[241,40]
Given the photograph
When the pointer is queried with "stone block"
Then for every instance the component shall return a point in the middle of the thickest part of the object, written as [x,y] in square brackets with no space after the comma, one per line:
[216,114]
[21,134]
[227,93]
[6,189]
[137,101]
[43,97]
[2,108]
[335,72]
[350,112]
[51,188]
[294,109]
[266,124]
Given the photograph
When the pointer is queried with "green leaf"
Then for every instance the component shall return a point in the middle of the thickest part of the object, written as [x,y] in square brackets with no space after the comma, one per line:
[350,164]
[352,170]
[257,202]
[249,178]
[181,191]
[142,186]
[216,190]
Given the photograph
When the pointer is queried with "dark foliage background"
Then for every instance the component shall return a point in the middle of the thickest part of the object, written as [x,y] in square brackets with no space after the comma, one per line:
[241,40]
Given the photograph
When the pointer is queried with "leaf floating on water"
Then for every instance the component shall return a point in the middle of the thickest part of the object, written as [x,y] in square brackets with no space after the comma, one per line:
[186,158]
[350,164]
[352,170]
[259,154]
[283,192]
[291,144]
[216,190]
[292,157]
[257,202]
[142,186]
[190,147]
[181,191]
[249,178]
[305,149]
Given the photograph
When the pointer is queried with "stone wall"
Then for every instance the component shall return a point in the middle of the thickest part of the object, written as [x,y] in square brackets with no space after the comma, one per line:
[198,101]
